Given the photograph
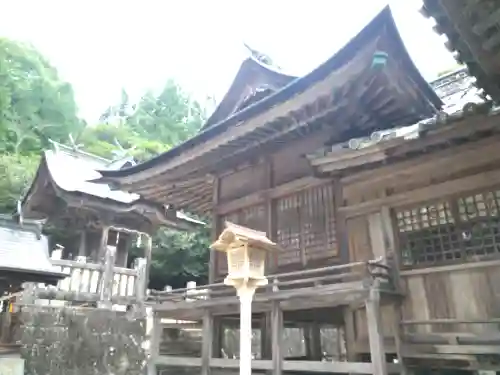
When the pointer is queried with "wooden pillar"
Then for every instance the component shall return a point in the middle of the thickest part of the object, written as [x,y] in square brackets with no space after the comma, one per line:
[398,337]
[217,336]
[206,347]
[122,249]
[277,338]
[154,333]
[148,255]
[216,224]
[98,254]
[312,338]
[375,334]
[106,287]
[350,335]
[340,222]
[82,248]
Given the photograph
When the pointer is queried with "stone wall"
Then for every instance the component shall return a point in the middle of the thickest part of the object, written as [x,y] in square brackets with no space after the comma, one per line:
[68,341]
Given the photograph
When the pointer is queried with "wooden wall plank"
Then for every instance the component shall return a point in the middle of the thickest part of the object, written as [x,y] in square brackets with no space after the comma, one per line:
[416,298]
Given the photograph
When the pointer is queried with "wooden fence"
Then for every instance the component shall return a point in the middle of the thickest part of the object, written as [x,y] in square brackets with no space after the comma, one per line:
[90,282]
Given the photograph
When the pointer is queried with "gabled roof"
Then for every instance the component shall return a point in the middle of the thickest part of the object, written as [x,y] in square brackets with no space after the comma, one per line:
[382,24]
[251,77]
[24,253]
[369,84]
[70,173]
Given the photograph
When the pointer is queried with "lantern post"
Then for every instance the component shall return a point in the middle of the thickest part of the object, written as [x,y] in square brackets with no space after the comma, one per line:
[246,251]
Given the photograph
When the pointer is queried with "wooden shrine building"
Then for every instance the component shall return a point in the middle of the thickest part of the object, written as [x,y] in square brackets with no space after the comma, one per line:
[385,206]
[93,217]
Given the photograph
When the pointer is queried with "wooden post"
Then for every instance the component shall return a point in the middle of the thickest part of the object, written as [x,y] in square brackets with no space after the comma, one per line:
[266,349]
[82,248]
[148,251]
[206,348]
[316,350]
[141,284]
[154,333]
[277,338]
[98,254]
[398,337]
[217,336]
[350,335]
[312,336]
[212,268]
[375,334]
[106,290]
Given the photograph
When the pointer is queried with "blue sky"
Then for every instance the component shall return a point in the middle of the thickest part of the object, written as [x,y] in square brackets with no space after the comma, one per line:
[102,46]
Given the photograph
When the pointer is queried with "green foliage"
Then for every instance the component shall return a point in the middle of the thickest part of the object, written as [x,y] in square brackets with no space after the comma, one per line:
[171,116]
[35,104]
[178,258]
[16,173]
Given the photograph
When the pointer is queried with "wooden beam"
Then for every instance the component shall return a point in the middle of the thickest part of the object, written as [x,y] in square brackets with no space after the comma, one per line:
[410,349]
[451,267]
[441,190]
[273,193]
[336,367]
[463,157]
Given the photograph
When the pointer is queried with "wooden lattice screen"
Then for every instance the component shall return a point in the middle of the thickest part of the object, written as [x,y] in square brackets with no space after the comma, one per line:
[463,228]
[252,217]
[306,226]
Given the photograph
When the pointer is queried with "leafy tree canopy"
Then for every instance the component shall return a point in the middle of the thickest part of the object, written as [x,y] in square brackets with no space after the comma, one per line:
[34,102]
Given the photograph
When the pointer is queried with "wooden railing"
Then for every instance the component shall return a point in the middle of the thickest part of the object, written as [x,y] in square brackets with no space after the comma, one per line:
[365,272]
[91,282]
[85,278]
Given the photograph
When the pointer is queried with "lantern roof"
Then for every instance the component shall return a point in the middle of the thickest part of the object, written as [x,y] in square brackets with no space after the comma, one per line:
[235,235]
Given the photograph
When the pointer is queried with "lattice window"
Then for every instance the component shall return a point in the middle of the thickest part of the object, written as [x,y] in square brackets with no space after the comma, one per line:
[253,217]
[461,228]
[306,225]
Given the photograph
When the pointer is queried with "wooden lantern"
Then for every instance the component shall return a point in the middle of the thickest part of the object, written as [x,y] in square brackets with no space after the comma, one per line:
[246,251]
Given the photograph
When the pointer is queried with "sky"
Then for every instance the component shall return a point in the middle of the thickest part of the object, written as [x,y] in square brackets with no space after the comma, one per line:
[103,46]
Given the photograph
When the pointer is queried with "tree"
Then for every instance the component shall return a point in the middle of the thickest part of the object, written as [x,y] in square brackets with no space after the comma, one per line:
[35,104]
[178,258]
[16,174]
[171,117]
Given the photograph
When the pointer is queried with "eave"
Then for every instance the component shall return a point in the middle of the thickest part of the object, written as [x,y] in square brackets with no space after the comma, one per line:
[473,34]
[359,158]
[22,275]
[349,95]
